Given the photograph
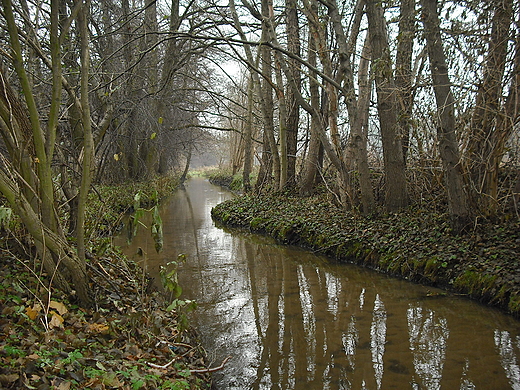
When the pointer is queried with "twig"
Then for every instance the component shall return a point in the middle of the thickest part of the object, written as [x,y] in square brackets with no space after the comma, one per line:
[174,344]
[205,370]
[166,365]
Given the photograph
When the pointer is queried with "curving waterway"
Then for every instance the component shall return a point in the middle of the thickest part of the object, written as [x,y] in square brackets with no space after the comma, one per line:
[291,319]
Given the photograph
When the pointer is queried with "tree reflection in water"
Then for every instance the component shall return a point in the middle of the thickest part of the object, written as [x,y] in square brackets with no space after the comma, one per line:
[508,358]
[378,338]
[293,320]
[428,340]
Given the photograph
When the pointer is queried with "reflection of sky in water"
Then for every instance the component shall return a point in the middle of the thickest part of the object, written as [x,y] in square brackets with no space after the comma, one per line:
[428,340]
[508,358]
[350,342]
[378,338]
[292,321]
[333,292]
[309,322]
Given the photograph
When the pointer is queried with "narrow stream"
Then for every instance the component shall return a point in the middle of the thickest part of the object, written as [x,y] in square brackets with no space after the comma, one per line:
[291,319]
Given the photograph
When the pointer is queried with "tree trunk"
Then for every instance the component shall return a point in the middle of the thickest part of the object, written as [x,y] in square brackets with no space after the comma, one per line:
[488,136]
[357,109]
[403,71]
[88,142]
[396,196]
[248,131]
[310,168]
[448,147]
[359,131]
[187,165]
[292,106]
[265,89]
[51,241]
[282,125]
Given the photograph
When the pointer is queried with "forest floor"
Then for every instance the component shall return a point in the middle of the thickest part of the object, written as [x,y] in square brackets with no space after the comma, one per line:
[133,338]
[415,244]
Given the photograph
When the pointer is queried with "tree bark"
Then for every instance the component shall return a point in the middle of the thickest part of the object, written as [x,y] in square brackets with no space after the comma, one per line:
[311,165]
[403,71]
[396,196]
[292,106]
[488,135]
[448,147]
[88,141]
[359,131]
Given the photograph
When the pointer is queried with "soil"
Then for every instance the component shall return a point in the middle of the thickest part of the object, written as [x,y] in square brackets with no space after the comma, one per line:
[416,244]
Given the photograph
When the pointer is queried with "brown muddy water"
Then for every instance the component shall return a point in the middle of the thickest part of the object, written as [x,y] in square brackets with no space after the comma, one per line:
[291,319]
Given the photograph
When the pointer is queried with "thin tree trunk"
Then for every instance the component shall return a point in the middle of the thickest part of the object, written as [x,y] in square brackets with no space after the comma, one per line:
[486,145]
[267,106]
[291,104]
[403,71]
[187,165]
[360,131]
[396,196]
[448,147]
[310,169]
[248,131]
[282,109]
[88,142]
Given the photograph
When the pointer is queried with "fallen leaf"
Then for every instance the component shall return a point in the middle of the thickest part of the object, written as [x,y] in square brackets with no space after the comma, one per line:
[60,307]
[8,378]
[32,312]
[56,321]
[63,385]
[98,328]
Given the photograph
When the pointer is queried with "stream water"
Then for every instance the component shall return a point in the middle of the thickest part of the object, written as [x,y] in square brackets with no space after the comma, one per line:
[292,319]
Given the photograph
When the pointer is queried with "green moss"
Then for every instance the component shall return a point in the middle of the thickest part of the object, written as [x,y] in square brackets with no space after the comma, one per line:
[431,266]
[514,304]
[257,223]
[475,283]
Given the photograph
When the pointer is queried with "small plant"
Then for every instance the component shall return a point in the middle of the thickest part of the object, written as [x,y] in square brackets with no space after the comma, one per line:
[170,282]
[169,277]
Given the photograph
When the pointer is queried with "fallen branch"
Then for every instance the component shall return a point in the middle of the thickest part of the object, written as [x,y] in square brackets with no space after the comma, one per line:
[205,370]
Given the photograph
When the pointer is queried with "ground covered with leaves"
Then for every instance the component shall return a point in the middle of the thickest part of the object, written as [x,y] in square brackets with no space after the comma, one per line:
[129,340]
[415,244]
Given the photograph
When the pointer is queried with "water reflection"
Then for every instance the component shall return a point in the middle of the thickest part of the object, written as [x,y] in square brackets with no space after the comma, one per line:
[508,358]
[378,338]
[292,320]
[428,341]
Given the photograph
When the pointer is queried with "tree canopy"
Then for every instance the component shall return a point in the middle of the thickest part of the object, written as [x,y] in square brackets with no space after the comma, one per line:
[386,103]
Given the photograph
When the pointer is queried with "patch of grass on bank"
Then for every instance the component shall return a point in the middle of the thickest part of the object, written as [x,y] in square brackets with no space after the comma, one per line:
[415,244]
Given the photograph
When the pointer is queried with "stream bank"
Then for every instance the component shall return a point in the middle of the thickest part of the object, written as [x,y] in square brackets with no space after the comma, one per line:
[130,339]
[415,244]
